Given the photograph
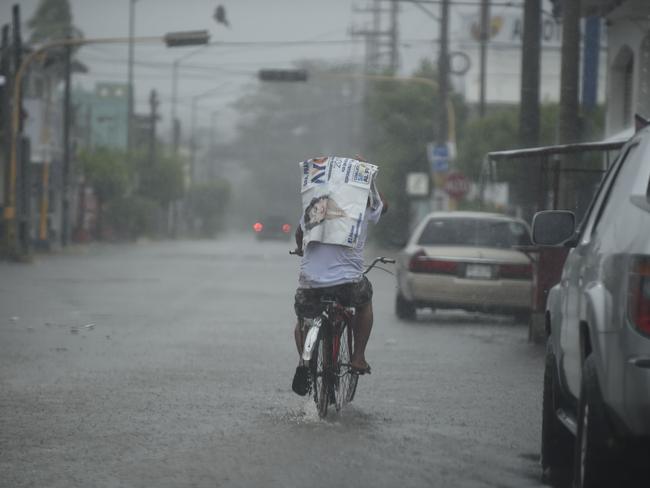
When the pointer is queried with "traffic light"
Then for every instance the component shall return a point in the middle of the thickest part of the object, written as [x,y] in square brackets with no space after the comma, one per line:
[283,75]
[187,38]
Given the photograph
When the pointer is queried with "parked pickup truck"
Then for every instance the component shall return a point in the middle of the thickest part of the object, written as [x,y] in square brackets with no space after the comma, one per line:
[596,399]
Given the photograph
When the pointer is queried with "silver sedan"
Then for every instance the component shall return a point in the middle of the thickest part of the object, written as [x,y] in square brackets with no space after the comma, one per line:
[466,260]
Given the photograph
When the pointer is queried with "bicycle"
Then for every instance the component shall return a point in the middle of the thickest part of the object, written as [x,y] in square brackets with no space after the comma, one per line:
[327,349]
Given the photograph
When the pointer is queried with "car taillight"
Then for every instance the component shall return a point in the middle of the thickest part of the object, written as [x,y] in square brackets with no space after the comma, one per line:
[516,271]
[638,298]
[257,227]
[421,263]
[286,228]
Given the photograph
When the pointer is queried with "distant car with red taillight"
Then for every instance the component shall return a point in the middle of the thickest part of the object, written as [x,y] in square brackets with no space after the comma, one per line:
[466,260]
[596,394]
[272,227]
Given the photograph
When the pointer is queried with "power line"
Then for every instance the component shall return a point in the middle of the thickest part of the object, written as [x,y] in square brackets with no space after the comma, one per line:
[463,3]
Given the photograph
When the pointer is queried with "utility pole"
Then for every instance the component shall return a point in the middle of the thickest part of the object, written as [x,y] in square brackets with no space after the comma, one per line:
[18,230]
[213,150]
[485,37]
[5,117]
[371,36]
[129,121]
[530,75]
[590,63]
[570,75]
[569,123]
[176,134]
[373,52]
[193,140]
[375,35]
[443,73]
[529,112]
[174,121]
[153,117]
[393,33]
[65,167]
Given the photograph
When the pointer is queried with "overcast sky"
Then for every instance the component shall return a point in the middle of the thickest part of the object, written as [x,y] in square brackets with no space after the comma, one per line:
[303,22]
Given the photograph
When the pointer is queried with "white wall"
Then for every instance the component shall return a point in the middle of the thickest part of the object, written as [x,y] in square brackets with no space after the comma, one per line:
[503,84]
[627,28]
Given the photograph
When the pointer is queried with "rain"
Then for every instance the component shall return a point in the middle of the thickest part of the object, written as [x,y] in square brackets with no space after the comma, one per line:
[161,172]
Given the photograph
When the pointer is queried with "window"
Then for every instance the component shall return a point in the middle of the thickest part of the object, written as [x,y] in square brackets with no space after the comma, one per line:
[469,232]
[601,198]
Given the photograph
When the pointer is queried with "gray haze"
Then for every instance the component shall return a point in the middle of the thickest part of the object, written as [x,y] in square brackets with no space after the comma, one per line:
[250,21]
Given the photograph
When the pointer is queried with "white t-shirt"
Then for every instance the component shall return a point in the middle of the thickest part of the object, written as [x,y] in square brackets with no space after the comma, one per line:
[331,264]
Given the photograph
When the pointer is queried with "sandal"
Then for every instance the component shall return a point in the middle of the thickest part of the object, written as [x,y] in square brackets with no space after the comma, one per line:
[365,370]
[300,384]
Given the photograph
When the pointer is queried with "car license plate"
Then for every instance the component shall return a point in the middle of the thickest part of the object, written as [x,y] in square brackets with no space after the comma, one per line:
[479,271]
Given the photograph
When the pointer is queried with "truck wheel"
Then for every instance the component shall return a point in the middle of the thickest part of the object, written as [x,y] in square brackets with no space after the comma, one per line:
[557,441]
[595,465]
[404,309]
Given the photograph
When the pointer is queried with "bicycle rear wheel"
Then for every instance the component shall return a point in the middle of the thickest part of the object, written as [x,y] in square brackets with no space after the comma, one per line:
[321,373]
[346,380]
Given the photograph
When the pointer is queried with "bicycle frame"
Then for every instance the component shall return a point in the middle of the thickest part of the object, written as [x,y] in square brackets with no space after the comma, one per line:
[338,381]
[333,313]
[332,379]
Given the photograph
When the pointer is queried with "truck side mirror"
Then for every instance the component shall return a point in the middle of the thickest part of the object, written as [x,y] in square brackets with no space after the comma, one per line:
[553,227]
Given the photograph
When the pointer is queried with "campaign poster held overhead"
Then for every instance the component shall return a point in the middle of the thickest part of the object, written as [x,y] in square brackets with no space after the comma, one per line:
[335,193]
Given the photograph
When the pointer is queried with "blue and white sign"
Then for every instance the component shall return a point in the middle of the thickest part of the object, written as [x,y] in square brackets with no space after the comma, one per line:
[438,155]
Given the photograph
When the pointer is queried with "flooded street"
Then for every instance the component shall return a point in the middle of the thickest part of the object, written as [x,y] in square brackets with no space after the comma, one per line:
[170,364]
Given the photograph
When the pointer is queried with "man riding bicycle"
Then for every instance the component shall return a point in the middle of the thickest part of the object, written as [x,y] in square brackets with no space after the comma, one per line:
[334,270]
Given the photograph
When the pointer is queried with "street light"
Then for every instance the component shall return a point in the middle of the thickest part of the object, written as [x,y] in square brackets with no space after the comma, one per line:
[9,212]
[213,138]
[129,111]
[175,66]
[196,98]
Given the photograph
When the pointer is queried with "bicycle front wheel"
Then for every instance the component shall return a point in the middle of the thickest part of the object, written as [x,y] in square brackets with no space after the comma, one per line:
[321,373]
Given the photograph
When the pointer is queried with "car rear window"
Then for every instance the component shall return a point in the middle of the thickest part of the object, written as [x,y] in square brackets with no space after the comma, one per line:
[474,233]
[275,221]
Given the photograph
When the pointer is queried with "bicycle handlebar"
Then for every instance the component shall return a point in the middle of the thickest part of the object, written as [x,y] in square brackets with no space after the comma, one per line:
[379,259]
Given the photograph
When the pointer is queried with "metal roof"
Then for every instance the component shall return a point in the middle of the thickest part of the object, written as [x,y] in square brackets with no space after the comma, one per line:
[611,145]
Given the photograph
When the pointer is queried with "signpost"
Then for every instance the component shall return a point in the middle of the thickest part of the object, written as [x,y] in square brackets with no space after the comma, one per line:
[456,185]
[417,188]
[417,184]
[438,156]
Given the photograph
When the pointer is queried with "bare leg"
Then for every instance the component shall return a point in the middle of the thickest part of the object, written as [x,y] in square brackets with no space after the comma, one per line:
[299,336]
[300,384]
[362,329]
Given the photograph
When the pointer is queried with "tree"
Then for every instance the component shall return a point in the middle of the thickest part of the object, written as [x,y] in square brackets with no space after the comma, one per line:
[498,131]
[106,171]
[52,20]
[164,181]
[400,123]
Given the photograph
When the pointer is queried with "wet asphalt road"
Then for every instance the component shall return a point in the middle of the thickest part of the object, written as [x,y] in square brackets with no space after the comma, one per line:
[169,365]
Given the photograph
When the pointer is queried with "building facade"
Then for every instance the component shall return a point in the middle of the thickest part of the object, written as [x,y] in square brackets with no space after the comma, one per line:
[628,60]
[102,115]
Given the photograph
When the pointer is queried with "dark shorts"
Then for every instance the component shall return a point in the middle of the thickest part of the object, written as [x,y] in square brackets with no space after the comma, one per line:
[307,303]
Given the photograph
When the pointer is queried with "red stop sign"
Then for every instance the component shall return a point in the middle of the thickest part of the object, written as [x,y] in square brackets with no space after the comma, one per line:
[456,185]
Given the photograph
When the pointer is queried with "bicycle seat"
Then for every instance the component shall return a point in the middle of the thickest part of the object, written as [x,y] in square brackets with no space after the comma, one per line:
[332,300]
[312,310]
